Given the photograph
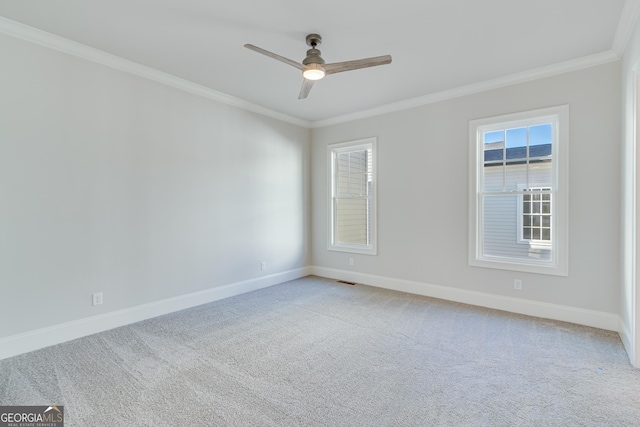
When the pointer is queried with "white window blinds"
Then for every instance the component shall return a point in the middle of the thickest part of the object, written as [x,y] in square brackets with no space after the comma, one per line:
[352,196]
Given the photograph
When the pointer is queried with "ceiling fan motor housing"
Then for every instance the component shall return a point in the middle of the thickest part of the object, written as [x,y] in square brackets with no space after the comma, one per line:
[313,54]
[313,57]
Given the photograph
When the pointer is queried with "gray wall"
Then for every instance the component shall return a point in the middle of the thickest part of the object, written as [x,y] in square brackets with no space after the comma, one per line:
[114,183]
[423,183]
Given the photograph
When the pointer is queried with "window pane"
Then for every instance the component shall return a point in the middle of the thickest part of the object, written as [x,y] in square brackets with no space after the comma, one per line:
[540,173]
[355,184]
[343,163]
[546,234]
[493,137]
[351,221]
[540,134]
[515,176]
[357,161]
[342,185]
[493,157]
[546,207]
[540,151]
[501,237]
[516,140]
[516,152]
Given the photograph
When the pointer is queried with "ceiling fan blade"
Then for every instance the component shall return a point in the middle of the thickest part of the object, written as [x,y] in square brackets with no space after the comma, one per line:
[306,88]
[275,56]
[339,67]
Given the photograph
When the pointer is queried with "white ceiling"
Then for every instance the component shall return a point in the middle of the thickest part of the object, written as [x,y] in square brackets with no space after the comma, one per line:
[436,45]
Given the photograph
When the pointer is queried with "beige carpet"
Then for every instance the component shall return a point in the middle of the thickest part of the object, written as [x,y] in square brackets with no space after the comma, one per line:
[316,352]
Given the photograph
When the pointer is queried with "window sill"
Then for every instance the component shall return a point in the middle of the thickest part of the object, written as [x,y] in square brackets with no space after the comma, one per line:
[519,265]
[364,250]
[535,245]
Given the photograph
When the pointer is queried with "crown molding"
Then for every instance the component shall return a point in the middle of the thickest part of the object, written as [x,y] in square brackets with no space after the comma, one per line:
[629,15]
[534,74]
[70,47]
[628,18]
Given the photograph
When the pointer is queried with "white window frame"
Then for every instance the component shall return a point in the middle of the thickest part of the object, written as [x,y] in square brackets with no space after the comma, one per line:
[559,117]
[332,151]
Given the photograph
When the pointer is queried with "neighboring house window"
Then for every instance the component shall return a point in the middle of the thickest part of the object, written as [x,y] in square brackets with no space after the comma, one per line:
[518,194]
[535,216]
[352,196]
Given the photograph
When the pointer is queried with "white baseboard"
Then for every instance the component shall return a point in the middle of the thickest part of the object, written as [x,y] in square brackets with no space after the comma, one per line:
[625,336]
[596,319]
[56,334]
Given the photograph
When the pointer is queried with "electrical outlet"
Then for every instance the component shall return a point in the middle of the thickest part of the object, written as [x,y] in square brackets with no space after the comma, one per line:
[351,261]
[517,284]
[97,298]
[263,265]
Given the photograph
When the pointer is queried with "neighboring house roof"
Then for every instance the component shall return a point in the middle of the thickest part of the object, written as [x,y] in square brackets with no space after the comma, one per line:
[535,151]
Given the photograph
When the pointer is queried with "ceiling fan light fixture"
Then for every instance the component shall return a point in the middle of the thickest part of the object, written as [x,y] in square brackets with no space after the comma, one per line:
[313,72]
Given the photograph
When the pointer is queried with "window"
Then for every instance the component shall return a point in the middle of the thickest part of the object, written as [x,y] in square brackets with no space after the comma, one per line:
[352,196]
[535,216]
[518,195]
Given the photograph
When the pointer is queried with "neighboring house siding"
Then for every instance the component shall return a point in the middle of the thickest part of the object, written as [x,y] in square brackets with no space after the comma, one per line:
[501,213]
[501,227]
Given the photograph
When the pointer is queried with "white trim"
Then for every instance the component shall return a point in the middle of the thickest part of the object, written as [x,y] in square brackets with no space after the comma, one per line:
[629,228]
[525,76]
[70,47]
[580,316]
[624,31]
[56,334]
[634,345]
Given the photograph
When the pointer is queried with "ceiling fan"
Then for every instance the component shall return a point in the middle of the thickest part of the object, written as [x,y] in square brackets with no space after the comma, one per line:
[313,67]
